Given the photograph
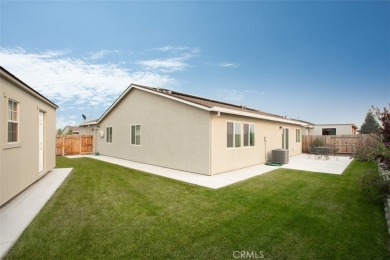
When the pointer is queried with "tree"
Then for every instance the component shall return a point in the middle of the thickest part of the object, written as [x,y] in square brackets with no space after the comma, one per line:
[384,118]
[59,131]
[370,124]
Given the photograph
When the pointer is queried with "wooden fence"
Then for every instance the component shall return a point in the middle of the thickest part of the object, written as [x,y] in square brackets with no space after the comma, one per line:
[74,144]
[346,144]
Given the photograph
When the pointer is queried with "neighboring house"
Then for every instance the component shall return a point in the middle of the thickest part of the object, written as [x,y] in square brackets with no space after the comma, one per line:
[88,127]
[333,129]
[27,135]
[71,129]
[189,133]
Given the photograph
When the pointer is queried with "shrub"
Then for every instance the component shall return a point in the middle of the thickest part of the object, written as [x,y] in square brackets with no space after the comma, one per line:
[374,187]
[373,151]
[318,142]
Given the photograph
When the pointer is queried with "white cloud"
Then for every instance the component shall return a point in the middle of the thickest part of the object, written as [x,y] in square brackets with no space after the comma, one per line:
[235,95]
[228,65]
[101,54]
[177,60]
[61,77]
[68,80]
[164,65]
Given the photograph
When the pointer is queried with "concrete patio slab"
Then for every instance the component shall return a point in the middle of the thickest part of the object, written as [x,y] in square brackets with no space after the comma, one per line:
[17,214]
[213,182]
[306,162]
[300,162]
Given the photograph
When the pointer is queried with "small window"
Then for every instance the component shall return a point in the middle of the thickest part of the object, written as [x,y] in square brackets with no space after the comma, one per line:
[233,134]
[298,135]
[109,134]
[13,121]
[135,135]
[328,131]
[249,135]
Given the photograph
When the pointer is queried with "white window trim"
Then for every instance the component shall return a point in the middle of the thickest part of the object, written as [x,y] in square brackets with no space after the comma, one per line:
[107,134]
[234,134]
[17,122]
[296,135]
[131,132]
[249,139]
[284,139]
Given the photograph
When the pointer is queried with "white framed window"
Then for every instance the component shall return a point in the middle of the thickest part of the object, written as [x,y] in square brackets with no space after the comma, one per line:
[298,135]
[135,135]
[13,121]
[233,134]
[285,139]
[109,134]
[249,135]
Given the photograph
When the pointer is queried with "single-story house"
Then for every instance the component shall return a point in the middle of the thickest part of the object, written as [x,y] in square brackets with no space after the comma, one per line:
[71,129]
[180,131]
[333,129]
[27,135]
[88,127]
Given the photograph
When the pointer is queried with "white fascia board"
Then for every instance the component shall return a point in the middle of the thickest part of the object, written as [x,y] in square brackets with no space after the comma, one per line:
[174,98]
[114,104]
[88,123]
[30,91]
[149,91]
[248,114]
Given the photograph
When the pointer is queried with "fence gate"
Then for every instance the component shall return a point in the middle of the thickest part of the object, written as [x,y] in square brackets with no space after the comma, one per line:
[74,144]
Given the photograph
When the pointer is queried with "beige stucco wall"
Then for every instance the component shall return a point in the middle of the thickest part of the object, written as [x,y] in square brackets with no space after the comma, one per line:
[173,135]
[19,162]
[340,129]
[268,136]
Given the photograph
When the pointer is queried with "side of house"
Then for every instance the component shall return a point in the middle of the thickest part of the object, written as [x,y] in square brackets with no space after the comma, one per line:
[333,129]
[239,142]
[145,127]
[179,131]
[27,136]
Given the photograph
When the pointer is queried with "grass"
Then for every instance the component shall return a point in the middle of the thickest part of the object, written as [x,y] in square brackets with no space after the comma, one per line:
[104,211]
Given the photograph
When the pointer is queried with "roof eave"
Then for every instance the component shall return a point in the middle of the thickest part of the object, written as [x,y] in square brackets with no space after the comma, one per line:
[258,116]
[149,91]
[26,87]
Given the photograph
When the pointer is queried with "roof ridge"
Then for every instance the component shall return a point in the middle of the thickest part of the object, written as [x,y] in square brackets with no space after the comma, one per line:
[168,91]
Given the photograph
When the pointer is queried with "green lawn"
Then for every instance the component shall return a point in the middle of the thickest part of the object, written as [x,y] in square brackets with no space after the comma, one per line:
[106,211]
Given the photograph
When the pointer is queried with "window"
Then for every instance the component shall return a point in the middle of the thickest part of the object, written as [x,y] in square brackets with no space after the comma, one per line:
[135,135]
[237,134]
[233,134]
[109,134]
[249,135]
[285,144]
[328,131]
[298,135]
[13,121]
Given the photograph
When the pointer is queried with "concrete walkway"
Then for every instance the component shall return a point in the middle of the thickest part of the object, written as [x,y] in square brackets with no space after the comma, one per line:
[213,182]
[17,214]
[300,162]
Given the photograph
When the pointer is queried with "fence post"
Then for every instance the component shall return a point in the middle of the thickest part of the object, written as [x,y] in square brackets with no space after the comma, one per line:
[79,144]
[63,145]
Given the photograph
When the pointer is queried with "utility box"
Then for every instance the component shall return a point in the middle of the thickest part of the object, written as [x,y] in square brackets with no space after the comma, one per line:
[280,156]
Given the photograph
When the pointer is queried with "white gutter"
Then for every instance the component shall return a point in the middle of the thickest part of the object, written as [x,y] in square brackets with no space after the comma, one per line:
[253,115]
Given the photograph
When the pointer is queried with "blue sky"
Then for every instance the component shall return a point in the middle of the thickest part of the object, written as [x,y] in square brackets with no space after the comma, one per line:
[322,61]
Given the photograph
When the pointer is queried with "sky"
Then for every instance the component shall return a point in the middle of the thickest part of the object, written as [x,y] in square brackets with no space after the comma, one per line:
[318,61]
